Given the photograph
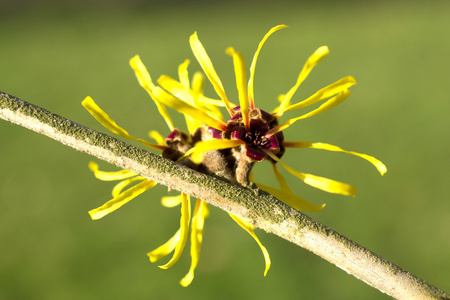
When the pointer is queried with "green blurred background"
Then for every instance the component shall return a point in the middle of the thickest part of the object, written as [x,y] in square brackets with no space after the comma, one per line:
[55,53]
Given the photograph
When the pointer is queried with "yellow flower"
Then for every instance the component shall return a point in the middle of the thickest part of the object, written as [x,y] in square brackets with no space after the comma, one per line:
[227,149]
[173,147]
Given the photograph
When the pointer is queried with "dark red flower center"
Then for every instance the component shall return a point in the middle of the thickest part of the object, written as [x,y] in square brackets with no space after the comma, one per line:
[255,137]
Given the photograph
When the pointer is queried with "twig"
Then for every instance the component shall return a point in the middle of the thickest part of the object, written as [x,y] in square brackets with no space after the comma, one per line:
[260,208]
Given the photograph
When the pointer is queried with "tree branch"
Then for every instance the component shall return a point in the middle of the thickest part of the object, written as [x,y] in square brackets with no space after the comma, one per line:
[259,208]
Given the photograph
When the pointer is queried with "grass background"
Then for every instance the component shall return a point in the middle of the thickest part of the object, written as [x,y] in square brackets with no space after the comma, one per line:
[54,53]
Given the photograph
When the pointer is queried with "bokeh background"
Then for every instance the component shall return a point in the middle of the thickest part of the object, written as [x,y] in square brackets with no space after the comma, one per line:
[55,53]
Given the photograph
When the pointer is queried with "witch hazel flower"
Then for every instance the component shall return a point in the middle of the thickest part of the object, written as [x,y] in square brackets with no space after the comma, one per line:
[227,149]
[174,147]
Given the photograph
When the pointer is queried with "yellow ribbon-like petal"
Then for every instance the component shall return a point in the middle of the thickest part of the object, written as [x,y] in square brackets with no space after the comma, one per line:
[109,123]
[213,106]
[175,88]
[145,81]
[378,164]
[324,93]
[166,248]
[208,104]
[192,123]
[142,75]
[280,99]
[118,188]
[181,92]
[239,70]
[184,226]
[201,147]
[207,66]
[201,212]
[183,74]
[321,183]
[185,108]
[157,137]
[110,176]
[312,61]
[198,80]
[249,228]
[329,104]
[251,94]
[171,201]
[212,102]
[121,199]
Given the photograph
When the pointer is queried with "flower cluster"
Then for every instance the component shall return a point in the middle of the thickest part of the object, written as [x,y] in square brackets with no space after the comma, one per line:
[225,149]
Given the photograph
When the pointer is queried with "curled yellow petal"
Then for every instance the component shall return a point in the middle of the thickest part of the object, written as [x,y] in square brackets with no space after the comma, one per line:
[211,102]
[312,61]
[109,123]
[321,183]
[239,70]
[213,106]
[324,93]
[186,108]
[280,99]
[145,81]
[171,201]
[103,117]
[280,178]
[378,164]
[210,106]
[251,94]
[249,228]
[121,199]
[183,74]
[166,248]
[157,137]
[198,80]
[207,66]
[201,212]
[201,147]
[110,176]
[180,91]
[141,73]
[329,104]
[205,103]
[184,227]
[175,88]
[118,188]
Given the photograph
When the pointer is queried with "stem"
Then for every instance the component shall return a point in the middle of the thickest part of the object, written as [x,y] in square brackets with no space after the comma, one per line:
[259,208]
